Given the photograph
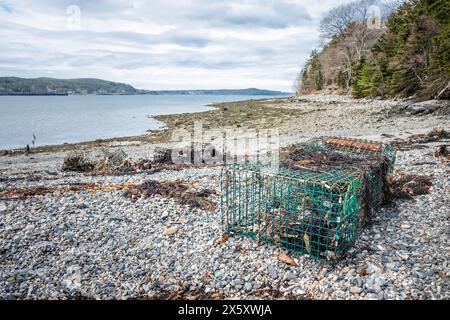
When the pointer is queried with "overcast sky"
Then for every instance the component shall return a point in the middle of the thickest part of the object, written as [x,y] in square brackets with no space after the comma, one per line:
[189,44]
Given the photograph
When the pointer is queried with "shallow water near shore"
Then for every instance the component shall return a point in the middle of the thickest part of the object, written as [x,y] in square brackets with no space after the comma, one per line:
[71,119]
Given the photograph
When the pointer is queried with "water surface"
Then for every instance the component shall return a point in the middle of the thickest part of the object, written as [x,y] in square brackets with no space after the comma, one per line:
[71,119]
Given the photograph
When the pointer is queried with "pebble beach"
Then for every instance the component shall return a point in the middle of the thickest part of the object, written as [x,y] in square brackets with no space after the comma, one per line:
[100,244]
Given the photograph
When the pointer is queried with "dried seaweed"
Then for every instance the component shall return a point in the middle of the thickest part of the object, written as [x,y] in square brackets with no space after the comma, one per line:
[22,193]
[406,186]
[443,152]
[118,163]
[267,292]
[333,154]
[179,191]
[434,135]
[183,294]
[76,162]
[417,141]
[105,163]
[322,160]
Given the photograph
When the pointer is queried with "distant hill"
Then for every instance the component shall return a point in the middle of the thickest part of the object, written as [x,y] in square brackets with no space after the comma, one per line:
[10,85]
[245,92]
[44,86]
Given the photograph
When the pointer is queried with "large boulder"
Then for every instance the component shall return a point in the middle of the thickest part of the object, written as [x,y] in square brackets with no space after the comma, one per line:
[424,107]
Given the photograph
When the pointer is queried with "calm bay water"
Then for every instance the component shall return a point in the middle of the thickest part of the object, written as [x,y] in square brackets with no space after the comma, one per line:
[57,120]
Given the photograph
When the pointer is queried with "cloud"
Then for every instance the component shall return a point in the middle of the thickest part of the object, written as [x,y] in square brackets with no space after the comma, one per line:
[162,44]
[6,6]
[267,14]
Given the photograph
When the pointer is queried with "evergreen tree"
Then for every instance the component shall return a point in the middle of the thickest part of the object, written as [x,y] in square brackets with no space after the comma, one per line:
[312,74]
[368,79]
[413,54]
[411,58]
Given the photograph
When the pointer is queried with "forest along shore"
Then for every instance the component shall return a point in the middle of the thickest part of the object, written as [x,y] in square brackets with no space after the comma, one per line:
[102,232]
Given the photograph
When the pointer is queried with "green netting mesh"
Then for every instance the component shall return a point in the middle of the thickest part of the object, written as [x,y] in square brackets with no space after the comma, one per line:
[316,203]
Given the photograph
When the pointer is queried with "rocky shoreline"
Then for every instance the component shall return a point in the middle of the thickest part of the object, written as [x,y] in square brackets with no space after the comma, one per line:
[94,242]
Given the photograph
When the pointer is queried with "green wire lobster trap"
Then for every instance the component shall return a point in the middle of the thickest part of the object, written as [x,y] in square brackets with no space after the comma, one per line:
[316,202]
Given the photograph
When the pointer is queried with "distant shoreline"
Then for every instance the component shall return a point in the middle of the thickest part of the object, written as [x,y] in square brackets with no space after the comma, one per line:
[21,94]
[159,93]
[87,86]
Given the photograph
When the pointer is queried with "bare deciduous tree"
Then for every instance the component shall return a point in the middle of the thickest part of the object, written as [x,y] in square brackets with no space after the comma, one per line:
[340,17]
[353,28]
[357,42]
[297,85]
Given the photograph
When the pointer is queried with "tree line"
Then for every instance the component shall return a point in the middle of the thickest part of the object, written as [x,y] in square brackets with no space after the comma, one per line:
[394,49]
